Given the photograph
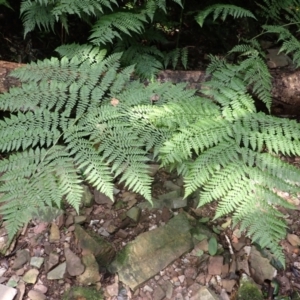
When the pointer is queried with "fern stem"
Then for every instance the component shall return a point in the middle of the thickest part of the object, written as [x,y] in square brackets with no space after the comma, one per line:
[180,24]
[265,31]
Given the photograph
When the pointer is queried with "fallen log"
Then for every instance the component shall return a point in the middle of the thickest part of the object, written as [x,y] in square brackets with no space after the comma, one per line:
[285,85]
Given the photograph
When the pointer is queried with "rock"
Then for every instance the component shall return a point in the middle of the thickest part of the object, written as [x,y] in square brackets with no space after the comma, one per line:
[224,295]
[277,60]
[74,265]
[102,231]
[13,281]
[191,272]
[101,198]
[293,239]
[69,221]
[54,233]
[4,243]
[41,288]
[23,256]
[152,251]
[87,197]
[262,268]
[51,261]
[113,289]
[228,284]
[168,288]
[31,276]
[36,295]
[203,246]
[159,293]
[153,168]
[134,214]
[165,214]
[9,292]
[171,186]
[79,219]
[122,234]
[205,293]
[36,261]
[58,272]
[89,242]
[91,272]
[215,265]
[21,290]
[194,288]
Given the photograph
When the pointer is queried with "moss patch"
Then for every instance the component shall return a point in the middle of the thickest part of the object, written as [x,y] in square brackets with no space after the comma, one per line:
[83,293]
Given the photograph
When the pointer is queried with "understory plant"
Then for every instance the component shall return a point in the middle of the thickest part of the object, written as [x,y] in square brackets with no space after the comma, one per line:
[83,117]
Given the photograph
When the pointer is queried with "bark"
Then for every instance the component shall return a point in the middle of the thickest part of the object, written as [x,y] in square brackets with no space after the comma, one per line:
[285,91]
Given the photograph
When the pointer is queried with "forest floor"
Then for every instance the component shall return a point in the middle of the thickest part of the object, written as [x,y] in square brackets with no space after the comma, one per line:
[47,242]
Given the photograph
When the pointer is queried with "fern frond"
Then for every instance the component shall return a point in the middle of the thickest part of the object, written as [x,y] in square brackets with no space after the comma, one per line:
[290,43]
[108,26]
[37,14]
[223,10]
[89,7]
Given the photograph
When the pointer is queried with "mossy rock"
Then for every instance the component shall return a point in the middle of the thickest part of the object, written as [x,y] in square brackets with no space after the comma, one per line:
[249,291]
[82,293]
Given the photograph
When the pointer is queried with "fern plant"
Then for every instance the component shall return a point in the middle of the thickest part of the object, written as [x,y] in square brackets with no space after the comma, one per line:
[130,28]
[83,117]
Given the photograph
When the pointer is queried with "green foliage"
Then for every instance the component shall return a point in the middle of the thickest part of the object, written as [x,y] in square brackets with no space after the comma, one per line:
[5,3]
[126,28]
[83,117]
[222,10]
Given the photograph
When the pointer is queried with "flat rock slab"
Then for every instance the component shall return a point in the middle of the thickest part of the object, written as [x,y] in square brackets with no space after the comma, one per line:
[91,243]
[7,293]
[152,251]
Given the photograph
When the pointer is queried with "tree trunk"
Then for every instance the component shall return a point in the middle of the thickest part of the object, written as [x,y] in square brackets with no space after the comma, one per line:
[285,91]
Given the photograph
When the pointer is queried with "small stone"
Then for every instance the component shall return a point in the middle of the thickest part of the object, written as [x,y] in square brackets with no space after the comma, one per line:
[54,233]
[36,295]
[102,231]
[134,213]
[171,186]
[20,272]
[101,198]
[113,289]
[147,288]
[159,293]
[22,258]
[87,197]
[31,276]
[181,278]
[293,239]
[153,168]
[79,219]
[8,292]
[58,272]
[91,273]
[21,290]
[215,265]
[13,281]
[169,289]
[36,261]
[122,234]
[228,284]
[74,265]
[52,261]
[41,288]
[190,272]
[69,221]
